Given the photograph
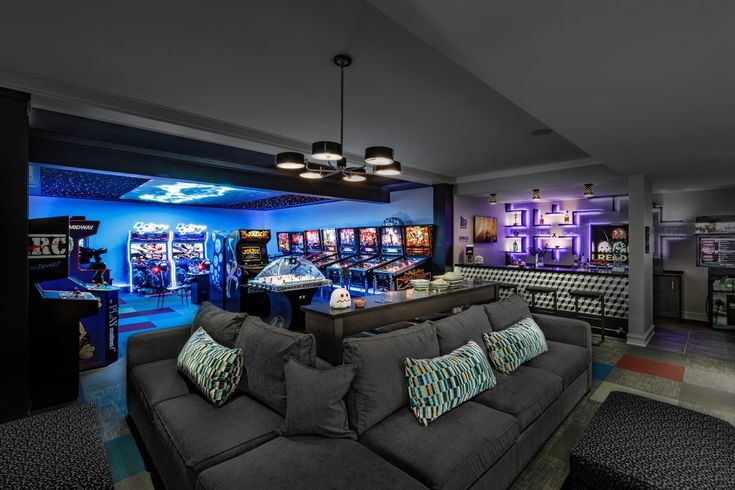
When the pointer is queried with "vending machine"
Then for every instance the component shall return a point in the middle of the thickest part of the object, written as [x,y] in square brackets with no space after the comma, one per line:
[716,251]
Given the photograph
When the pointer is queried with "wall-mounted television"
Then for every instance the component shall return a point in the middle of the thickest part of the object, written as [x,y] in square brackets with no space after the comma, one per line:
[485,229]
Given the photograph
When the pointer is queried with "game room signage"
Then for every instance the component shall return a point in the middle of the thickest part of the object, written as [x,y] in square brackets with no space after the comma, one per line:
[609,243]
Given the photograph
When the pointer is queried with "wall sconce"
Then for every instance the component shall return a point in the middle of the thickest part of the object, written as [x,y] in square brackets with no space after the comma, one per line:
[493,200]
[536,194]
[588,191]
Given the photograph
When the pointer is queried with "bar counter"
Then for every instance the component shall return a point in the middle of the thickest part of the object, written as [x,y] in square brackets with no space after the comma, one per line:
[329,326]
[564,279]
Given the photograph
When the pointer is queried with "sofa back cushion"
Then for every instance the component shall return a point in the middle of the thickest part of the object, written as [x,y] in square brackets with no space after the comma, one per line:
[264,350]
[456,330]
[379,387]
[503,314]
[223,326]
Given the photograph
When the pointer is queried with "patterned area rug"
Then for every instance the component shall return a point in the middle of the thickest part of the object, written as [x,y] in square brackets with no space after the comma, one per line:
[58,449]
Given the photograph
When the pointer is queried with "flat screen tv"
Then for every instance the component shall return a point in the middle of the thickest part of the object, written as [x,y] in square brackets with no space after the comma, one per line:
[486,229]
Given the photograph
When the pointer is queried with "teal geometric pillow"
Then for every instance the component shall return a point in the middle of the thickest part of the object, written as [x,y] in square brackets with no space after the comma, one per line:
[436,386]
[213,368]
[509,348]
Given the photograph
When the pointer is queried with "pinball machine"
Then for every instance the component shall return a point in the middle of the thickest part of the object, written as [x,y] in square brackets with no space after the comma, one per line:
[346,247]
[236,257]
[416,263]
[283,242]
[391,249]
[297,246]
[366,245]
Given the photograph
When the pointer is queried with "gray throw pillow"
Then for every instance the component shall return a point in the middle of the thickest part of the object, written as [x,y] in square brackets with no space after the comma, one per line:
[456,330]
[223,326]
[503,314]
[264,348]
[315,400]
[379,388]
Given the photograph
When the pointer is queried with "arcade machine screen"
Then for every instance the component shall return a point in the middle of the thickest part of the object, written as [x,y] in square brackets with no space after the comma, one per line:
[184,250]
[418,240]
[313,242]
[347,240]
[391,240]
[140,252]
[297,242]
[283,239]
[251,255]
[368,240]
[329,240]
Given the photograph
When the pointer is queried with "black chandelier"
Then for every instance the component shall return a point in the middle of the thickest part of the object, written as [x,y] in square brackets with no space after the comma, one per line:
[379,158]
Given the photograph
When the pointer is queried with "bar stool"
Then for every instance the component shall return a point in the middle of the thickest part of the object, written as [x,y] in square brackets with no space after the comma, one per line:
[534,290]
[507,286]
[593,295]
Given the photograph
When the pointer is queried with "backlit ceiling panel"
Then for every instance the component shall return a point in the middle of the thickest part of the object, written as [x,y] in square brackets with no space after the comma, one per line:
[81,184]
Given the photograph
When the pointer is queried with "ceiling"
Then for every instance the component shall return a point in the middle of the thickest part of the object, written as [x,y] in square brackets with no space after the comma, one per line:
[51,181]
[626,86]
[268,66]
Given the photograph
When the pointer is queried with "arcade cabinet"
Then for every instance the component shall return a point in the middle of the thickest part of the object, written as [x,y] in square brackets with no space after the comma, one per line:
[237,257]
[716,251]
[99,336]
[189,255]
[366,246]
[150,266]
[55,331]
[297,243]
[391,249]
[283,240]
[416,263]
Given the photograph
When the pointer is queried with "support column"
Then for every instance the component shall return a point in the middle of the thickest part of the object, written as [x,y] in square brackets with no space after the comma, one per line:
[14,309]
[640,218]
[443,227]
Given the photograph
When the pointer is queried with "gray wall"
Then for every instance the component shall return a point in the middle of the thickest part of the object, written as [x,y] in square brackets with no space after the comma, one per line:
[681,254]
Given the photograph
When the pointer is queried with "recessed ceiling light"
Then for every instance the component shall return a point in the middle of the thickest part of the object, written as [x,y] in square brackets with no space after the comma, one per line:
[541,132]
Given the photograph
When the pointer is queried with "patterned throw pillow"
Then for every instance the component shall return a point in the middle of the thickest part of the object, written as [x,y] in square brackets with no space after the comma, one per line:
[436,386]
[509,348]
[213,368]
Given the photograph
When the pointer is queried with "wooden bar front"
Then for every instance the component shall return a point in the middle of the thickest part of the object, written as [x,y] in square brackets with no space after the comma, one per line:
[330,326]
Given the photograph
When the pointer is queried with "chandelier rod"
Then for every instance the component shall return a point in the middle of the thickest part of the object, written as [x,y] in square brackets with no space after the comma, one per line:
[342,107]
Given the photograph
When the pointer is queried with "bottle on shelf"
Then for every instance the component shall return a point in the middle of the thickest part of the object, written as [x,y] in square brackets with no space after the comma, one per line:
[515,246]
[515,219]
[541,219]
[566,216]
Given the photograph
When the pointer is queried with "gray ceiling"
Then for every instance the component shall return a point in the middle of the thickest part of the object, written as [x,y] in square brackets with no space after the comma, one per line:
[454,87]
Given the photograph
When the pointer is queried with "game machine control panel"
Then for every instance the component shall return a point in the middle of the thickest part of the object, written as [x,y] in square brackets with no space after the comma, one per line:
[391,249]
[55,331]
[150,265]
[98,336]
[416,264]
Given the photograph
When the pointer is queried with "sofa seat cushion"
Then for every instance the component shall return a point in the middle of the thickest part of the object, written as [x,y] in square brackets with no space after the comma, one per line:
[452,452]
[456,330]
[200,435]
[524,394]
[160,380]
[565,360]
[306,462]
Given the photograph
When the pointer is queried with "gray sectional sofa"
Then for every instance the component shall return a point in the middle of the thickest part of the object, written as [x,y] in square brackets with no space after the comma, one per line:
[484,443]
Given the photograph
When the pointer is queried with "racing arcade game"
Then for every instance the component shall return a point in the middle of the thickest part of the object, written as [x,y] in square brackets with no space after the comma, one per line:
[391,249]
[366,246]
[149,262]
[415,265]
[98,336]
[189,255]
[237,257]
[55,332]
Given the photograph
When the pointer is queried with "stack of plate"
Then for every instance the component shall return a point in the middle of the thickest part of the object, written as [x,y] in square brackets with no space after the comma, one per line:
[420,284]
[454,279]
[440,285]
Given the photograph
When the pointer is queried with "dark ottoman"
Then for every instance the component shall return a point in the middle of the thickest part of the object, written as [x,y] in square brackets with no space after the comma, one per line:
[636,442]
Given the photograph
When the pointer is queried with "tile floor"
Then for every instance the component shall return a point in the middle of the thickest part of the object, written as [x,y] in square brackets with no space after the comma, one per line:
[686,364]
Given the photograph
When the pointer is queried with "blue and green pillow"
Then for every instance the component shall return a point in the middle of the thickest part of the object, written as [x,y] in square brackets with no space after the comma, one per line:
[436,386]
[511,347]
[213,368]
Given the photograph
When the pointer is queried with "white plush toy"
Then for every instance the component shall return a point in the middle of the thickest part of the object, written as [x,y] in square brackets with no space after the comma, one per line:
[340,299]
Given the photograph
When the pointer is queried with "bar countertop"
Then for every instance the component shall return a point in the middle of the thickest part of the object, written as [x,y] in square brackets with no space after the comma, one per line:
[393,297]
[606,271]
